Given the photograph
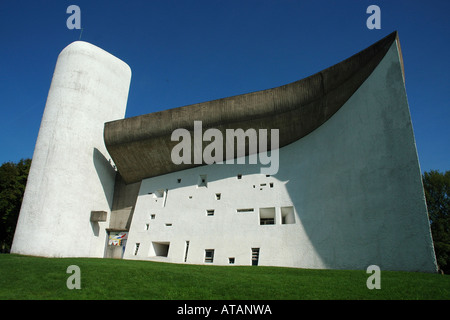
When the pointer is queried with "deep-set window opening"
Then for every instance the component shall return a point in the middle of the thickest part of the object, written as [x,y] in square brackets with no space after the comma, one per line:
[136,248]
[209,255]
[255,256]
[202,181]
[267,216]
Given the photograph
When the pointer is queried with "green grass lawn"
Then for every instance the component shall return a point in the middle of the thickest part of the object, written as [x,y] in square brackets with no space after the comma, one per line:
[24,277]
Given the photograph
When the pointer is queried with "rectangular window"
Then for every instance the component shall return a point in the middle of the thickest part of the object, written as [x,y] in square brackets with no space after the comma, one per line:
[209,255]
[266,216]
[245,210]
[210,212]
[287,215]
[159,249]
[255,256]
[239,176]
[218,196]
[231,260]
[136,248]
[147,226]
[202,181]
[159,193]
[186,251]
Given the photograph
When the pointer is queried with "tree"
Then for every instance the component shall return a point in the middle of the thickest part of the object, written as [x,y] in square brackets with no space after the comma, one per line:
[13,179]
[437,191]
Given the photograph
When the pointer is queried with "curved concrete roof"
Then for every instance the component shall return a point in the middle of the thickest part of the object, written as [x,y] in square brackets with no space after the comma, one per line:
[141,146]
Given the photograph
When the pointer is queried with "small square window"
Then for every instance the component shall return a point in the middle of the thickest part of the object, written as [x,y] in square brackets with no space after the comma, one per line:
[152,216]
[179,180]
[159,193]
[202,181]
[218,195]
[239,176]
[231,260]
[287,215]
[266,216]
[210,212]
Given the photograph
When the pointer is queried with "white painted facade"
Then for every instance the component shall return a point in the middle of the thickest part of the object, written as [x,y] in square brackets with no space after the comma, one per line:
[350,191]
[346,196]
[70,175]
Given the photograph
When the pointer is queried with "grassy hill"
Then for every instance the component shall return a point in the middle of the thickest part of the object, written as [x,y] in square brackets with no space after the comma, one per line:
[24,277]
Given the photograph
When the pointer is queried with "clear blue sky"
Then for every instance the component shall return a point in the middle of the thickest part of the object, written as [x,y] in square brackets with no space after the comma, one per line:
[188,51]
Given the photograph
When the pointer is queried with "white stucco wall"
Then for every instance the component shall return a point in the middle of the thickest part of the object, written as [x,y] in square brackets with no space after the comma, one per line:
[354,183]
[70,175]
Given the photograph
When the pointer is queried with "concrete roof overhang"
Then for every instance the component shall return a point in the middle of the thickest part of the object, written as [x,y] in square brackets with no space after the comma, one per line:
[141,146]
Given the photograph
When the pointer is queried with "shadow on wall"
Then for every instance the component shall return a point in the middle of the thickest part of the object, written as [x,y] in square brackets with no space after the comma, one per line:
[354,182]
[106,174]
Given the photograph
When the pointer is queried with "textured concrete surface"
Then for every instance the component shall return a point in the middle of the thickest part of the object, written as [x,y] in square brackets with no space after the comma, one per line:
[70,174]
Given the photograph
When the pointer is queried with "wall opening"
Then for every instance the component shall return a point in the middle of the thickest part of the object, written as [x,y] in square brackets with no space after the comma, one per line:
[210,212]
[267,216]
[255,256]
[165,197]
[136,248]
[158,193]
[218,196]
[202,181]
[186,251]
[209,255]
[231,260]
[159,249]
[245,210]
[287,215]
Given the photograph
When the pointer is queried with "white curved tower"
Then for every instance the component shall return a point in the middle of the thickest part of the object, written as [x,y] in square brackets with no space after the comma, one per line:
[68,197]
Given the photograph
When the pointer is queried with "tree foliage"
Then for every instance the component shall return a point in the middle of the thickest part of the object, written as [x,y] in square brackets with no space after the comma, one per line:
[13,179]
[437,191]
